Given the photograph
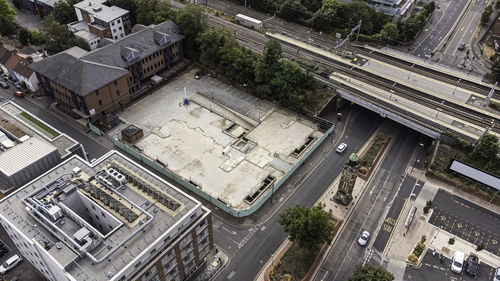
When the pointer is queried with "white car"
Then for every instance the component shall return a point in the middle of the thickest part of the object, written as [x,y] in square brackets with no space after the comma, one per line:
[363,239]
[10,264]
[341,148]
[457,263]
[497,274]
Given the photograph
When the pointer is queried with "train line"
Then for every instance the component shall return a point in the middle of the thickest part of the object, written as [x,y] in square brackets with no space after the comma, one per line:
[317,38]
[256,42]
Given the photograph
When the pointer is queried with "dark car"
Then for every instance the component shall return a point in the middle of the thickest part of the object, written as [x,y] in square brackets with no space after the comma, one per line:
[19,94]
[472,265]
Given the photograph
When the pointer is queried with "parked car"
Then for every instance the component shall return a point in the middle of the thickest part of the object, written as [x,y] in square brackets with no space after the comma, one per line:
[10,264]
[472,265]
[19,94]
[457,263]
[341,148]
[363,239]
[19,87]
[497,274]
[4,85]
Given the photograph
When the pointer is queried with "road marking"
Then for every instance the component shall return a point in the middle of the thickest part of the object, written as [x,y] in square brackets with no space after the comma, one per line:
[392,232]
[326,273]
[231,275]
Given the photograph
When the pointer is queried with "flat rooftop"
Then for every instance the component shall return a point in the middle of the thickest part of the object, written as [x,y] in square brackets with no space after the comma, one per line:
[231,145]
[125,199]
[100,11]
[20,123]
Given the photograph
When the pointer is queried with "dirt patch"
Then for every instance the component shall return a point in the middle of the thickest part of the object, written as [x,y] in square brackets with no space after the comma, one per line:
[16,131]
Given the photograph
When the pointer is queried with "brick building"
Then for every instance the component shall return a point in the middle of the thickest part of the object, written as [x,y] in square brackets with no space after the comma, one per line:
[99,81]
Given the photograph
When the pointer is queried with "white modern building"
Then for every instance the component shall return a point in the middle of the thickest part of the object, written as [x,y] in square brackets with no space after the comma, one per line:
[109,220]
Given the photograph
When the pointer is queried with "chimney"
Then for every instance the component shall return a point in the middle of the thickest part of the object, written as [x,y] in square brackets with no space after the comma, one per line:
[29,60]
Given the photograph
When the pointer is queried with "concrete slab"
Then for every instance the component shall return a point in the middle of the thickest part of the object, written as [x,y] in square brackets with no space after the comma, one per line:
[225,147]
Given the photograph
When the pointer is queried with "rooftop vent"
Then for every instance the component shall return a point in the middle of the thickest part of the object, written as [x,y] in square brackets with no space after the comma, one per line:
[116,175]
[81,234]
[97,9]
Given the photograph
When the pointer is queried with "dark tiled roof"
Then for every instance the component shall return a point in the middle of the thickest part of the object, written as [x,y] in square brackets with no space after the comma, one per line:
[104,65]
[130,131]
[143,41]
[23,69]
[4,55]
[80,76]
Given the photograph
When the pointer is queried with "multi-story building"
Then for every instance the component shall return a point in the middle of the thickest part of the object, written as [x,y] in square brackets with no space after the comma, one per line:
[99,81]
[109,220]
[395,8]
[104,21]
[29,146]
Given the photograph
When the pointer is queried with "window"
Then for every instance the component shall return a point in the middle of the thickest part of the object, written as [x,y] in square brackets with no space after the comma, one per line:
[116,37]
[100,102]
[97,92]
[120,28]
[113,24]
[117,92]
[115,83]
[118,21]
[114,30]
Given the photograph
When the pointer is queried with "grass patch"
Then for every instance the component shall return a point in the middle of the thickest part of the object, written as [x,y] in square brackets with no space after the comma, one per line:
[295,264]
[39,124]
[369,156]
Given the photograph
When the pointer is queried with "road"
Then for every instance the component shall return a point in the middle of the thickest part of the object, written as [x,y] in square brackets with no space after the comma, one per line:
[95,146]
[438,28]
[465,32]
[373,204]
[250,247]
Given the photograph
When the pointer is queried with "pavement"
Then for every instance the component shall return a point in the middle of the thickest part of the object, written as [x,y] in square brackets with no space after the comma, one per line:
[404,240]
[26,19]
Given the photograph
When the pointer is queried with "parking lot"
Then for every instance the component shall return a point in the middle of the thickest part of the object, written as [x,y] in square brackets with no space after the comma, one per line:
[466,220]
[432,269]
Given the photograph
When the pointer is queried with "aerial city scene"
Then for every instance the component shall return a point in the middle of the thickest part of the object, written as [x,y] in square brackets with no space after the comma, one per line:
[249,140]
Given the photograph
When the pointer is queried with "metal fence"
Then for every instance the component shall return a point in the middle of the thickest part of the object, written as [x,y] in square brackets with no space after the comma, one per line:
[237,213]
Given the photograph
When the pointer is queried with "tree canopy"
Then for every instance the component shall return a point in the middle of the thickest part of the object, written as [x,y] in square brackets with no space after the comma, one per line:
[485,17]
[311,227]
[59,38]
[64,12]
[7,16]
[192,22]
[371,273]
[487,148]
[154,11]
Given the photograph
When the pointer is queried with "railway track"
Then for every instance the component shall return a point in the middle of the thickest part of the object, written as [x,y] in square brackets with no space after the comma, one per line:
[303,33]
[256,42]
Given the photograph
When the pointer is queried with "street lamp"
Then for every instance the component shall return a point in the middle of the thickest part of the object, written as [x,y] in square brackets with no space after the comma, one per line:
[438,110]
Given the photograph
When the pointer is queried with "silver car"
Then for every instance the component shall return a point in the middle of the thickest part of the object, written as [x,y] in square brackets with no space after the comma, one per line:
[10,264]
[363,239]
[497,274]
[341,148]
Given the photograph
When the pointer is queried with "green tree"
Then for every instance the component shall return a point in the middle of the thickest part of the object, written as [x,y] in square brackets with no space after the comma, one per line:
[64,12]
[371,273]
[128,5]
[495,69]
[293,10]
[154,11]
[192,22]
[390,30]
[24,36]
[409,28]
[37,38]
[485,17]
[7,16]
[213,43]
[311,5]
[58,37]
[311,227]
[487,148]
[268,64]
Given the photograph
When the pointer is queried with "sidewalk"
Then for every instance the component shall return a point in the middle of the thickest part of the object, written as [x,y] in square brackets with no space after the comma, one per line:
[216,261]
[404,240]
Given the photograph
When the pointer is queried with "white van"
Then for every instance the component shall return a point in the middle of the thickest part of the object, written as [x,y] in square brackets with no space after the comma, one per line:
[10,264]
[457,263]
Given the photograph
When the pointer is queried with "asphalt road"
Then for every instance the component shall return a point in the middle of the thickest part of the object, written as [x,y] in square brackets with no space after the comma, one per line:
[432,269]
[252,246]
[467,220]
[464,33]
[373,204]
[438,28]
[41,108]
